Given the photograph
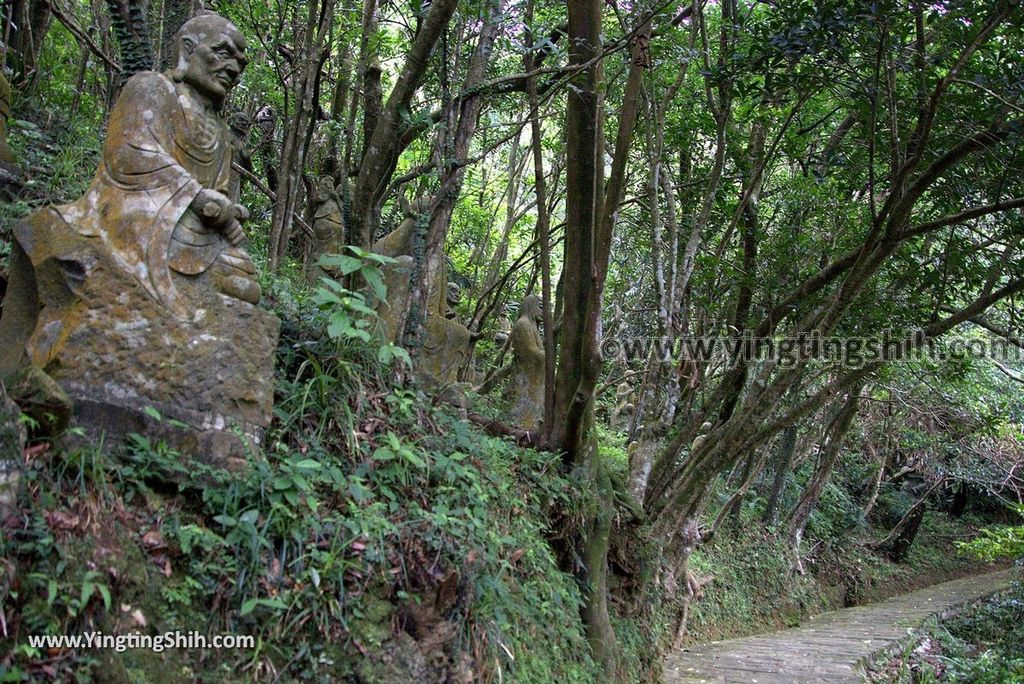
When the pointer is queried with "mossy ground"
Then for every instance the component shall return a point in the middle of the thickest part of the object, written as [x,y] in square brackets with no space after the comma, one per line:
[381,539]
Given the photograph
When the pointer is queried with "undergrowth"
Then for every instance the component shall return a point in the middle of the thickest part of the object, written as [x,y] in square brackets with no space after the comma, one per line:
[381,539]
[985,645]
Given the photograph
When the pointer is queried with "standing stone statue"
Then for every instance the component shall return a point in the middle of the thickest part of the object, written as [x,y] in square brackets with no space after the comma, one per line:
[140,294]
[446,344]
[527,386]
[328,230]
[702,436]
[624,408]
[503,326]
[452,299]
[239,123]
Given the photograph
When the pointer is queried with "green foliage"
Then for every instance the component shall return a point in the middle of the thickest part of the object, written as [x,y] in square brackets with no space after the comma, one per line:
[995,543]
[344,531]
[350,315]
[754,588]
[984,645]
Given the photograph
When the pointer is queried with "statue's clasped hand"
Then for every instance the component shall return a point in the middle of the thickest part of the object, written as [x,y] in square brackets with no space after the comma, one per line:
[218,211]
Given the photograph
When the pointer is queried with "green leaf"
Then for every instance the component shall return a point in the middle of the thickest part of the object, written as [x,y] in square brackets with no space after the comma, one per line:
[373,256]
[344,264]
[105,593]
[323,296]
[250,516]
[87,590]
[225,520]
[248,606]
[376,281]
[413,458]
[358,334]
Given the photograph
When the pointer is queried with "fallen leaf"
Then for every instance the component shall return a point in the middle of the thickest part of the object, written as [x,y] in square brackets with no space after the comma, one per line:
[63,520]
[153,540]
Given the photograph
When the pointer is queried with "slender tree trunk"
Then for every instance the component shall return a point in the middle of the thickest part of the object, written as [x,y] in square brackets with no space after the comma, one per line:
[452,174]
[797,520]
[26,23]
[543,233]
[897,543]
[381,150]
[783,466]
[733,506]
[297,129]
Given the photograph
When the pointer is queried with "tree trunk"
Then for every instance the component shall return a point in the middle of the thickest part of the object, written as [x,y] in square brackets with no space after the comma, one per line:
[452,174]
[381,151]
[960,500]
[298,128]
[128,19]
[543,234]
[830,455]
[26,24]
[899,547]
[176,13]
[783,465]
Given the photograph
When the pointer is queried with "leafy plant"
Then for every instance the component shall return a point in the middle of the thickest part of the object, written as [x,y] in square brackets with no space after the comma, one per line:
[996,543]
[349,313]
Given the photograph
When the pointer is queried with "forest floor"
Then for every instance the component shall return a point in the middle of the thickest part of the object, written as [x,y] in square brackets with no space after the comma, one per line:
[833,646]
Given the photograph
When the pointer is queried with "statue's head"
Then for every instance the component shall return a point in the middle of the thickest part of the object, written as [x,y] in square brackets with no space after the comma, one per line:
[531,309]
[325,193]
[211,56]
[454,294]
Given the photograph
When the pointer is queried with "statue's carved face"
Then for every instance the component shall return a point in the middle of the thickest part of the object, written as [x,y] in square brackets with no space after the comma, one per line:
[216,60]
[454,294]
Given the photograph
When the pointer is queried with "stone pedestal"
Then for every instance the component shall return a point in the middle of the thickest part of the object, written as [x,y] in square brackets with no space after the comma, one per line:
[123,359]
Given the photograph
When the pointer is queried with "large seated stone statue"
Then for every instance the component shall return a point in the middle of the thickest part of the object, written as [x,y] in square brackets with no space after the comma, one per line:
[446,344]
[526,391]
[140,294]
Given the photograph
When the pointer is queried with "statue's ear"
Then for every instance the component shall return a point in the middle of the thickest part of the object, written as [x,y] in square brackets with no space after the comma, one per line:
[188,45]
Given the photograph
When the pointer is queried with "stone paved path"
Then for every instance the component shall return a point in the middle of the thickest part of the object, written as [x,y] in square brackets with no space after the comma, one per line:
[829,647]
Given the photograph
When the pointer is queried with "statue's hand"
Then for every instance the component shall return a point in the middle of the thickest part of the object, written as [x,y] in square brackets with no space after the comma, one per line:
[218,211]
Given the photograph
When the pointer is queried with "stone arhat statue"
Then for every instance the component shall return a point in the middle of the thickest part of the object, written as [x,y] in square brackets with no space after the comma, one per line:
[624,409]
[527,386]
[164,181]
[328,229]
[447,344]
[140,293]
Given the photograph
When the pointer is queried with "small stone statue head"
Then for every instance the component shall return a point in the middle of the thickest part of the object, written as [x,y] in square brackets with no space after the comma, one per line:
[531,309]
[454,295]
[211,56]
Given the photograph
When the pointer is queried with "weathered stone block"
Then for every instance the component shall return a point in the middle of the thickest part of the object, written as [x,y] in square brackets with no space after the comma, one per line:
[116,351]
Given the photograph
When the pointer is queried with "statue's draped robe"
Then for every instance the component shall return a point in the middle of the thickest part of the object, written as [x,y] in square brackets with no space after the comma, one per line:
[162,149]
